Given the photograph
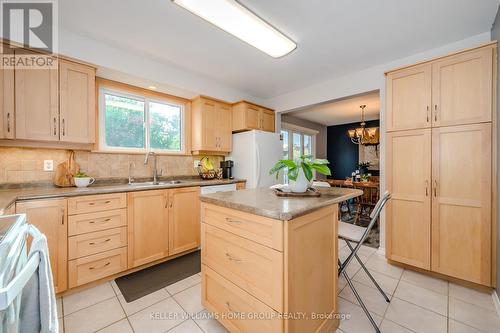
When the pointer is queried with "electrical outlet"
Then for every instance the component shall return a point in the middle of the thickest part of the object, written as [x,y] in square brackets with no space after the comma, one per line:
[48,165]
[196,163]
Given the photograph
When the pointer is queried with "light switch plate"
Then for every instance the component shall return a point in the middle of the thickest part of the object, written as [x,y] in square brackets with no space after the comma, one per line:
[48,165]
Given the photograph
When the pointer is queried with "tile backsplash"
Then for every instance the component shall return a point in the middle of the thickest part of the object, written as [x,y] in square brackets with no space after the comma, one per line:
[24,165]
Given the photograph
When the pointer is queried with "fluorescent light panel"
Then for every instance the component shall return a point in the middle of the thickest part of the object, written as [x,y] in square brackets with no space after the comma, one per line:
[235,19]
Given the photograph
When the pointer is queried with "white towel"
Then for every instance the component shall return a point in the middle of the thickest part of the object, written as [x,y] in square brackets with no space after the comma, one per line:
[39,309]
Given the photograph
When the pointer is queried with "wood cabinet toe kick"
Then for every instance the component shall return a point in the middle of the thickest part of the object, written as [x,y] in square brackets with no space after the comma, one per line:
[265,275]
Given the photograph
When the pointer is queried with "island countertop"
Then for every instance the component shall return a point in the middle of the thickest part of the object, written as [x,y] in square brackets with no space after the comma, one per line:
[264,202]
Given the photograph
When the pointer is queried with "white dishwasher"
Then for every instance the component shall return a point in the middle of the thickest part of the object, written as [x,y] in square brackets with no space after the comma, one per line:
[218,188]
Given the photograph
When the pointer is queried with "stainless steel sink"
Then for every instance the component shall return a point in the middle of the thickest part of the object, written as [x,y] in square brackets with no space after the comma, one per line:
[168,182]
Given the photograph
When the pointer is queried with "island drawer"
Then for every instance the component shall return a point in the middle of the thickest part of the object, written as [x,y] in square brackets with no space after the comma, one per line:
[90,222]
[96,242]
[259,229]
[96,203]
[236,308]
[255,268]
[97,266]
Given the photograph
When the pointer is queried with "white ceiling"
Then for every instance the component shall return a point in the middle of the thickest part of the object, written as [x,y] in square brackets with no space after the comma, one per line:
[343,111]
[334,37]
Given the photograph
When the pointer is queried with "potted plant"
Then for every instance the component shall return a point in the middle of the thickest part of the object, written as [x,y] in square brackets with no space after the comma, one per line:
[82,179]
[300,172]
[363,167]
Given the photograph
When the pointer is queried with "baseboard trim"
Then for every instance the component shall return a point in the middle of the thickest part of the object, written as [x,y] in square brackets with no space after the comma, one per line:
[381,251]
[496,301]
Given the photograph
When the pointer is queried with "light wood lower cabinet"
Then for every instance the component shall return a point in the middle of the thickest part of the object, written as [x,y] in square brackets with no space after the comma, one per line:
[441,223]
[147,226]
[97,266]
[172,216]
[247,270]
[49,216]
[461,202]
[183,219]
[408,213]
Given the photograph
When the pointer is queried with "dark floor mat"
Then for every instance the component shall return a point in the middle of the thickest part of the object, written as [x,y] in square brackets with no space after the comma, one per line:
[149,280]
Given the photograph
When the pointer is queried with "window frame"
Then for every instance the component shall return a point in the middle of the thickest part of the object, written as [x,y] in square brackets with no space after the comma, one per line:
[291,129]
[146,98]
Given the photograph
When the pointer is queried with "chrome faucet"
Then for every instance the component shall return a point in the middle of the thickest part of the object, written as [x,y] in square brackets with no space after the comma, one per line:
[156,173]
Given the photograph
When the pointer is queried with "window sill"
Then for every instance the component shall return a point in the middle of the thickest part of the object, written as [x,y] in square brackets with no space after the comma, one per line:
[124,152]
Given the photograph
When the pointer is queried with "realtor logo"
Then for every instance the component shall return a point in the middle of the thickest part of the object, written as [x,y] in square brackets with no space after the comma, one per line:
[28,25]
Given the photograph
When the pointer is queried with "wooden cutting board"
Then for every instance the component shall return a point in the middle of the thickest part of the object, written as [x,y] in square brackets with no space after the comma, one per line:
[66,171]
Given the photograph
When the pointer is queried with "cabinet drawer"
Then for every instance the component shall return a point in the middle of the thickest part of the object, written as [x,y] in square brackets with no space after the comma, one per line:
[97,266]
[234,306]
[96,203]
[253,267]
[90,222]
[259,229]
[96,242]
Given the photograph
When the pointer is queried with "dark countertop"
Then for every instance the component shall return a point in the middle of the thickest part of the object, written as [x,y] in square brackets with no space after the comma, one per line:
[265,203]
[10,196]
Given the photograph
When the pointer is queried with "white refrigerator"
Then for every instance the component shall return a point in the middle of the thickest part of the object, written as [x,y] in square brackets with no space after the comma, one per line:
[254,154]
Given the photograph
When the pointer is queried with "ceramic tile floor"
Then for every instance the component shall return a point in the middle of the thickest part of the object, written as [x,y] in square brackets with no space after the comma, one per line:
[418,304]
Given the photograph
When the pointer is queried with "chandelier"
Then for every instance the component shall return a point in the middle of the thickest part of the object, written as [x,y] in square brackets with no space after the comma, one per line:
[362,135]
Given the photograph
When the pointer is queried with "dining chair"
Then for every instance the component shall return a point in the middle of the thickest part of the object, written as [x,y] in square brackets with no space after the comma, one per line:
[351,233]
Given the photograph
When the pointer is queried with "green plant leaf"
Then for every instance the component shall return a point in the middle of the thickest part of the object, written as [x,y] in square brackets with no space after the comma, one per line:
[307,171]
[321,168]
[293,174]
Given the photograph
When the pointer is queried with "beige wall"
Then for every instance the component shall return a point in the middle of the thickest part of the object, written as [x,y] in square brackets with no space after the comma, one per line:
[23,165]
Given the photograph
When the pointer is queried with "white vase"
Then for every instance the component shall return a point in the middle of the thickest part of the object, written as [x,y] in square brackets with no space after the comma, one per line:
[301,184]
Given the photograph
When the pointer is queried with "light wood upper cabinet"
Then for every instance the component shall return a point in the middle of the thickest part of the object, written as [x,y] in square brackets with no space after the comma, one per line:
[76,102]
[184,219]
[409,98]
[7,125]
[267,120]
[408,214]
[211,125]
[248,116]
[224,133]
[50,217]
[462,88]
[461,202]
[37,104]
[147,226]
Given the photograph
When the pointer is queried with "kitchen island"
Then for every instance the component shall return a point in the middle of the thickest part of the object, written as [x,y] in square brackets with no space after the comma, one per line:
[269,263]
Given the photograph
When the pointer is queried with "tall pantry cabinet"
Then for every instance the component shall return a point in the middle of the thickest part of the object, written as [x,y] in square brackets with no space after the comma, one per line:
[439,158]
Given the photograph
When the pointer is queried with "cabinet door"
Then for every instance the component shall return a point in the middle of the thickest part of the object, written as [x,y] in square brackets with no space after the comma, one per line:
[77,102]
[184,219]
[461,203]
[225,134]
[267,120]
[409,98]
[408,224]
[6,103]
[209,126]
[50,217]
[147,226]
[462,88]
[252,117]
[37,104]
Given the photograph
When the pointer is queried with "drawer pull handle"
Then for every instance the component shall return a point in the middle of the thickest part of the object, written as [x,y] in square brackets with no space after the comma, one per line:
[101,221]
[104,241]
[233,221]
[228,305]
[106,264]
[231,258]
[100,202]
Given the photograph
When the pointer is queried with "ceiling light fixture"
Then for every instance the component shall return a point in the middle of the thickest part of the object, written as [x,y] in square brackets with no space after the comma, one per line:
[362,135]
[232,17]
